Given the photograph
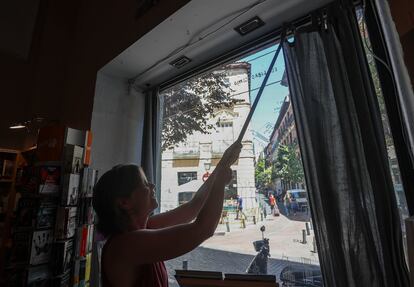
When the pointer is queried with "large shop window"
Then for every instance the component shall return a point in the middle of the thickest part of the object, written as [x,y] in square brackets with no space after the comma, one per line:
[201,118]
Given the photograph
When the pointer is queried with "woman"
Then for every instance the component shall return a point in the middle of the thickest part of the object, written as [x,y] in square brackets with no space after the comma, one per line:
[138,243]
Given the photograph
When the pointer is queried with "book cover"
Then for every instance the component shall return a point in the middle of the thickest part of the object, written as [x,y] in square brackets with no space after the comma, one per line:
[70,189]
[92,178]
[49,179]
[89,239]
[75,277]
[46,214]
[88,267]
[78,241]
[62,280]
[84,181]
[64,251]
[65,222]
[72,160]
[41,249]
[87,149]
[82,270]
[84,241]
[38,276]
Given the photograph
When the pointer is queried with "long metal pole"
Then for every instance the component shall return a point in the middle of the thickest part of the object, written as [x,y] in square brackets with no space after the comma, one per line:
[259,93]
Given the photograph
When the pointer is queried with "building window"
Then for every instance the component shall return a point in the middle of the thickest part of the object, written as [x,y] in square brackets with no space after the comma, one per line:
[184,177]
[184,197]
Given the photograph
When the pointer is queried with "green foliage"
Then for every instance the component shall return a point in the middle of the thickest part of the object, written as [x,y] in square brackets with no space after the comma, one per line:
[189,105]
[288,166]
[263,174]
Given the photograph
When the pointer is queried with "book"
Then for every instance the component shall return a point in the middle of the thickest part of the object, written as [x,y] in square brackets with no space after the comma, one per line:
[46,214]
[82,270]
[64,251]
[88,181]
[49,179]
[65,222]
[89,240]
[41,249]
[76,270]
[70,189]
[87,148]
[86,214]
[73,159]
[88,267]
[62,280]
[52,139]
[38,275]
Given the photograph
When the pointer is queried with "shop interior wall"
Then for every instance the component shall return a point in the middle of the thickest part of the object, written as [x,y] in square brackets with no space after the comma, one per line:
[117,123]
[69,41]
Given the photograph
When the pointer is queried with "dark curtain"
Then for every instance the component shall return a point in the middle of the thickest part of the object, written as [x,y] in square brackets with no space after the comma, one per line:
[350,189]
[150,140]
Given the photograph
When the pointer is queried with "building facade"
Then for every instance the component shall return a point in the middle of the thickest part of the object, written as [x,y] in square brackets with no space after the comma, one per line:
[186,166]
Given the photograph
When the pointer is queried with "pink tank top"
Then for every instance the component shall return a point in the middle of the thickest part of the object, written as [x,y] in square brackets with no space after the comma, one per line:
[151,275]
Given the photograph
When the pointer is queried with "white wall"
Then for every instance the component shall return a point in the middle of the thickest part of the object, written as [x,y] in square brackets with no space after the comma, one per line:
[117,123]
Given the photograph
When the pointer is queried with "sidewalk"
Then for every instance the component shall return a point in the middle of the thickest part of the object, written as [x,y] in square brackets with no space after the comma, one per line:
[285,238]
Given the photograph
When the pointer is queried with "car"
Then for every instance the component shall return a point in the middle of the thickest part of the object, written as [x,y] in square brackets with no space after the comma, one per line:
[298,199]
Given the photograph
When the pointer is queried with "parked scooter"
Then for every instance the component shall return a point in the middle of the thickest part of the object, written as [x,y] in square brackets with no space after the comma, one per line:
[258,265]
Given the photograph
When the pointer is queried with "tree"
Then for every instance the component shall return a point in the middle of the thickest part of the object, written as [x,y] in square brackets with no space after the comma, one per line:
[263,174]
[188,106]
[288,166]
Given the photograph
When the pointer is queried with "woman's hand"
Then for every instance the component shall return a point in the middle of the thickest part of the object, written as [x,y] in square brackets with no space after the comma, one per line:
[231,154]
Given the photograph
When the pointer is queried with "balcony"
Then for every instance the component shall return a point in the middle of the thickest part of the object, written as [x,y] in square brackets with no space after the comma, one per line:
[187,150]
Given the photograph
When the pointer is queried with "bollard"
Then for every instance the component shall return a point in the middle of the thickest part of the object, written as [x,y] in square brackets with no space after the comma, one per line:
[304,236]
[307,228]
[314,245]
[185,265]
[243,223]
[227,226]
[261,216]
[254,219]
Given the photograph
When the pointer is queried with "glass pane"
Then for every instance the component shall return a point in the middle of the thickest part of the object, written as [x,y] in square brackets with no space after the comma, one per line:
[202,117]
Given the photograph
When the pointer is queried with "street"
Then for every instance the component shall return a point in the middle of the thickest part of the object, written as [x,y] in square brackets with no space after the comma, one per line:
[231,252]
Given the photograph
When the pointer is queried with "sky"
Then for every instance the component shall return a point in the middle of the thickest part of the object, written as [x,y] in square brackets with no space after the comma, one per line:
[268,107]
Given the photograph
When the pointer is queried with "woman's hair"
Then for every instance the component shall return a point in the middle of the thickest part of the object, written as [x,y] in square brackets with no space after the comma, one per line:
[119,182]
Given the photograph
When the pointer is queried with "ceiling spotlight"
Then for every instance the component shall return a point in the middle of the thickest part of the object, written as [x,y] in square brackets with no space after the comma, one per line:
[249,26]
[180,62]
[17,126]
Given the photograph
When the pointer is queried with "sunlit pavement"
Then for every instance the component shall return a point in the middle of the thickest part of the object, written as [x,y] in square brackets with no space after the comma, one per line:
[231,252]
[285,238]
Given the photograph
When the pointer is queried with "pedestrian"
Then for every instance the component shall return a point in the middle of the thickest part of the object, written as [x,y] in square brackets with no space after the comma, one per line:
[138,244]
[272,202]
[239,207]
[287,204]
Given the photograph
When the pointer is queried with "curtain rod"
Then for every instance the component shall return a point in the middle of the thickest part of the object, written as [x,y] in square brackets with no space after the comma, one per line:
[258,43]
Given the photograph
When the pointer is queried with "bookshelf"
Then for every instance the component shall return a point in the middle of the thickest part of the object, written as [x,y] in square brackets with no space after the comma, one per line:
[50,233]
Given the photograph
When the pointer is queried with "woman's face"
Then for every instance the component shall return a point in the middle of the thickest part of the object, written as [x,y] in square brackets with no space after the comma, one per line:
[142,200]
